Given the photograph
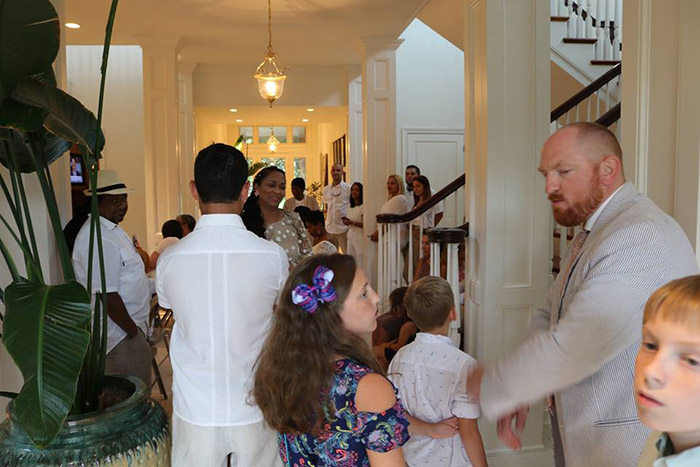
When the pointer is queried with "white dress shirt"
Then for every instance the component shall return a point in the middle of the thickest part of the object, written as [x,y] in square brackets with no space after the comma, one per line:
[431,374]
[308,201]
[337,198]
[221,281]
[165,243]
[124,274]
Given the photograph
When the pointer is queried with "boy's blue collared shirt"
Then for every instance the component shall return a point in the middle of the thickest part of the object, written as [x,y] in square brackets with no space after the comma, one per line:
[664,457]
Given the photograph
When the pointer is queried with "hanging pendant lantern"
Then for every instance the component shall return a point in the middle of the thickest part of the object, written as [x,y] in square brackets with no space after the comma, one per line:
[270,74]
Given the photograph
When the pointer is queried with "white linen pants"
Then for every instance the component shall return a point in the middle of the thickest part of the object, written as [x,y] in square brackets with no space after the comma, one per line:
[252,445]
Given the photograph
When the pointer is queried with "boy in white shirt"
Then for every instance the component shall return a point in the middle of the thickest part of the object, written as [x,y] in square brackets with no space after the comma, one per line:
[430,373]
[667,376]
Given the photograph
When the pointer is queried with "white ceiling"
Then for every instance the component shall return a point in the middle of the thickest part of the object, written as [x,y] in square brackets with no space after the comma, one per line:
[305,32]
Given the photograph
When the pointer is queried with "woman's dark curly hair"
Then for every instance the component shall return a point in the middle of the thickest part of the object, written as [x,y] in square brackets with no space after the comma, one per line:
[252,217]
[294,372]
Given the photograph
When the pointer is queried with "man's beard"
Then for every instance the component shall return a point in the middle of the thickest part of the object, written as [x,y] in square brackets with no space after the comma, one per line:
[582,210]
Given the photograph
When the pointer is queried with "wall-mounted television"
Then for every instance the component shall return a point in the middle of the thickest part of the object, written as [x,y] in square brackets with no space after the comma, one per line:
[77,170]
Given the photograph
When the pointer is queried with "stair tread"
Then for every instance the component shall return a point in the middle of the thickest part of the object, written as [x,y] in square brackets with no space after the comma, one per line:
[605,62]
[573,40]
[561,19]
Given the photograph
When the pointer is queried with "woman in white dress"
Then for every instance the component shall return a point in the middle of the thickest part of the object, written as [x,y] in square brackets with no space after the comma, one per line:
[396,202]
[427,220]
[354,221]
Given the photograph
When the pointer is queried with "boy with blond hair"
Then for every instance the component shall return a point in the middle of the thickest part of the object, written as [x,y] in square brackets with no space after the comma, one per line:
[667,379]
[429,374]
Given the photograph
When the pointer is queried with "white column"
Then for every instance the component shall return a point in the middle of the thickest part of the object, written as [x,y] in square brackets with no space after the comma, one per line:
[378,132]
[661,105]
[355,172]
[161,156]
[186,136]
[507,105]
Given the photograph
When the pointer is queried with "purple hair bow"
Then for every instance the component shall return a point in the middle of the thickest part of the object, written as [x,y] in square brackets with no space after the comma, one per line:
[321,290]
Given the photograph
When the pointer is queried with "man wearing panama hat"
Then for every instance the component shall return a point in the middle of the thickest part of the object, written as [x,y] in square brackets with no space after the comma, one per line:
[127,286]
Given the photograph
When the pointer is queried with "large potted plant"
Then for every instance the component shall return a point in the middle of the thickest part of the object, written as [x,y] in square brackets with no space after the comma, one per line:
[67,412]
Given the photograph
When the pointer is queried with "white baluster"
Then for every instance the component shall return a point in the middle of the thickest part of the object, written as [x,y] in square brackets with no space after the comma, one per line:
[399,257]
[434,259]
[409,255]
[571,24]
[453,279]
[380,264]
[590,30]
[392,257]
[588,109]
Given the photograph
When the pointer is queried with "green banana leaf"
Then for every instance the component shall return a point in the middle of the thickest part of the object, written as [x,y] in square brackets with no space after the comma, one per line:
[46,335]
[54,147]
[29,40]
[66,117]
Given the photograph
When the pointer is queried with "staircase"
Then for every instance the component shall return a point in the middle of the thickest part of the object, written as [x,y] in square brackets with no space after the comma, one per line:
[585,38]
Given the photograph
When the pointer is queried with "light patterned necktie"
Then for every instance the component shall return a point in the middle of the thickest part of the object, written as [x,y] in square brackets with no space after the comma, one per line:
[576,247]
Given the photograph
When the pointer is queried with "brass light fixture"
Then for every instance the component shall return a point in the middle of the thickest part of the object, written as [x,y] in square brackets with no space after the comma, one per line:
[272,141]
[270,74]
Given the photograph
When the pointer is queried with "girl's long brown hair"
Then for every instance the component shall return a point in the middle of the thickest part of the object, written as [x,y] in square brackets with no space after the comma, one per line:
[295,369]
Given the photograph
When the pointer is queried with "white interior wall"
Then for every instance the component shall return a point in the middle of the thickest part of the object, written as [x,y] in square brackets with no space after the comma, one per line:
[430,110]
[123,118]
[429,80]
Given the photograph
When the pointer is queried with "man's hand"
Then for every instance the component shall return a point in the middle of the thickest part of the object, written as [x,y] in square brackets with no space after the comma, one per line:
[444,429]
[505,428]
[474,382]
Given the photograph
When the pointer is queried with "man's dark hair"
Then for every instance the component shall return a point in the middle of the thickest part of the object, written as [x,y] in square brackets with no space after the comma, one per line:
[315,218]
[411,166]
[303,212]
[299,182]
[187,220]
[220,171]
[171,228]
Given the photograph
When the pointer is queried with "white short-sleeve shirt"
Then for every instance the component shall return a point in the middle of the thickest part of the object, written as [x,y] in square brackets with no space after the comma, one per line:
[431,375]
[124,273]
[307,201]
[337,198]
[165,243]
[221,281]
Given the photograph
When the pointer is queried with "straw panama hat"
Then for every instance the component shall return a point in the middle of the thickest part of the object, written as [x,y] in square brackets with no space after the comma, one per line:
[109,183]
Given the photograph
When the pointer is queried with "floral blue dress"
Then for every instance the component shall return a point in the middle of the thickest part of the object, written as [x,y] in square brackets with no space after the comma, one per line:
[345,439]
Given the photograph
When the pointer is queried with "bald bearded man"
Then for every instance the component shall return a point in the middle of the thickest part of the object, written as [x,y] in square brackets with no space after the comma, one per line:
[582,343]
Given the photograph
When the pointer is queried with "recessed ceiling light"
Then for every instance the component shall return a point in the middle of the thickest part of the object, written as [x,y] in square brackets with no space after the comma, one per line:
[233,110]
[304,120]
[72,25]
[239,120]
[310,109]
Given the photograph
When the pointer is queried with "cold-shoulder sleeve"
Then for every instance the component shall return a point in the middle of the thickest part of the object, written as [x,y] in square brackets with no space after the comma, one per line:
[384,431]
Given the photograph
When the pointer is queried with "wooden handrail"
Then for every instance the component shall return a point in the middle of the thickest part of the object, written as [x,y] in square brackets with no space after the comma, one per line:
[448,235]
[586,92]
[610,117]
[450,188]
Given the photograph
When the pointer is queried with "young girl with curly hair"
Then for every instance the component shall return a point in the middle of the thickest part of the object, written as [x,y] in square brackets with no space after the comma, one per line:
[316,380]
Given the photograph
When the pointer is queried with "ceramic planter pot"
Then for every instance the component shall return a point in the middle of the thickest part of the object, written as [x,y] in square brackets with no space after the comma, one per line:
[135,432]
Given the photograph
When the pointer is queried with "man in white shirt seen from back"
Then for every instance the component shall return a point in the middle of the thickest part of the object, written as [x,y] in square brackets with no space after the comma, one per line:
[221,281]
[336,197]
